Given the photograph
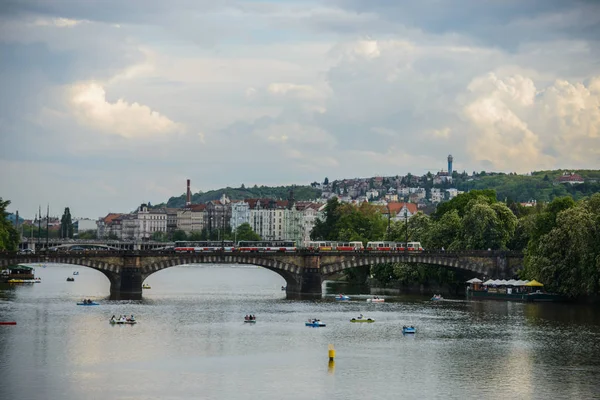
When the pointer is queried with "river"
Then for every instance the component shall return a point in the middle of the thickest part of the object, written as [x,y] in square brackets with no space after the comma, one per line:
[191,342]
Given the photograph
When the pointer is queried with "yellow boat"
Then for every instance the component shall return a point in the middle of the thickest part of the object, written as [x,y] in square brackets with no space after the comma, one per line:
[361,318]
[144,286]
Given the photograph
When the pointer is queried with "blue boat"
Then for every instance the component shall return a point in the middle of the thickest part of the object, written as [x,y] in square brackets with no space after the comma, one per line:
[88,304]
[315,323]
[409,329]
[75,272]
[342,297]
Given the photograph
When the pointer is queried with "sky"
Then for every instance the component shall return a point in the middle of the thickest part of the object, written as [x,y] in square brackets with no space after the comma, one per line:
[107,104]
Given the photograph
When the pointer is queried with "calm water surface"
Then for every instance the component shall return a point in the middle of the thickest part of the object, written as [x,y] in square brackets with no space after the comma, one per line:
[190,342]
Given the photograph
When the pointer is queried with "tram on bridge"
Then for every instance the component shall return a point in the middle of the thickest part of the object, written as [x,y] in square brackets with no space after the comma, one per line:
[283,246]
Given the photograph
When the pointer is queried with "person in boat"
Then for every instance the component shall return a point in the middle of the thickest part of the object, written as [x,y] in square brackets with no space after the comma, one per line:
[132,318]
[247,318]
[112,319]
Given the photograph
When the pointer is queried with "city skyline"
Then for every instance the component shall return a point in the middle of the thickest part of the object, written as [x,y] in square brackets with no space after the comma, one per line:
[108,105]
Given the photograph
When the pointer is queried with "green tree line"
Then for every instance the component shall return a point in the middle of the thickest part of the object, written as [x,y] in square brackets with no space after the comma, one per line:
[560,240]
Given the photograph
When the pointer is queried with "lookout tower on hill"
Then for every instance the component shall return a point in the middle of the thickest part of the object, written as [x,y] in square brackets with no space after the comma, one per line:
[450,159]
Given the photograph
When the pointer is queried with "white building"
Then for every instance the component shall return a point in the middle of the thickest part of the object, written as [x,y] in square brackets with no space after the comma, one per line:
[191,218]
[437,195]
[452,193]
[372,194]
[240,214]
[83,225]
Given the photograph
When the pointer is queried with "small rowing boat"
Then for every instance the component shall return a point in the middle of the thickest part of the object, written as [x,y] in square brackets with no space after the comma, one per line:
[362,318]
[88,304]
[315,323]
[342,297]
[122,322]
[409,329]
[375,300]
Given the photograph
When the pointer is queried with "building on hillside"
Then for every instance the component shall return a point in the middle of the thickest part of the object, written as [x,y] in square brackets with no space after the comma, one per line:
[217,215]
[400,210]
[437,196]
[171,220]
[105,226]
[452,193]
[570,178]
[442,177]
[191,218]
[240,214]
[372,194]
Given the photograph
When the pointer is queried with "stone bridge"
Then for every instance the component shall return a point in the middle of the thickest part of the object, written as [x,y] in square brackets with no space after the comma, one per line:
[303,272]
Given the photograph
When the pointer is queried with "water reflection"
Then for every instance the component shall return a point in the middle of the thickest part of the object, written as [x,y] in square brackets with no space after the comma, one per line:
[190,342]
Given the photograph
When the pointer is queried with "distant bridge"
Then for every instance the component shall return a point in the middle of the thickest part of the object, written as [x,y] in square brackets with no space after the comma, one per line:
[303,272]
[66,244]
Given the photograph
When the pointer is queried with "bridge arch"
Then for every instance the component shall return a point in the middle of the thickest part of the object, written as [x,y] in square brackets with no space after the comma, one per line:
[289,272]
[449,262]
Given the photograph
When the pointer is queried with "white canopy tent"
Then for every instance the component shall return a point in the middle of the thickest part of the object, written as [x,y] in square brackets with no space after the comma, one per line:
[489,282]
[474,280]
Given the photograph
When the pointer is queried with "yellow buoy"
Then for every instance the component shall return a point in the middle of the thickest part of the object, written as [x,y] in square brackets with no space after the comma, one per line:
[331,352]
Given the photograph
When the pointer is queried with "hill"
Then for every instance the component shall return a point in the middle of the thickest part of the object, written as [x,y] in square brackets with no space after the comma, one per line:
[541,186]
[301,193]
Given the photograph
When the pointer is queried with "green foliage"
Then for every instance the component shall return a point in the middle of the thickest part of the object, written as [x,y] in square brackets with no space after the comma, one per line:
[461,202]
[541,186]
[301,193]
[179,235]
[159,237]
[66,225]
[245,232]
[567,257]
[9,237]
[444,233]
[346,222]
[87,235]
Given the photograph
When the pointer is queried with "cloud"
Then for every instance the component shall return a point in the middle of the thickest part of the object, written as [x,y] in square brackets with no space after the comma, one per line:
[131,120]
[58,22]
[515,126]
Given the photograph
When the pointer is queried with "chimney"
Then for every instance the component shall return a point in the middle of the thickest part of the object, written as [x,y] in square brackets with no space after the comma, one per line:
[188,199]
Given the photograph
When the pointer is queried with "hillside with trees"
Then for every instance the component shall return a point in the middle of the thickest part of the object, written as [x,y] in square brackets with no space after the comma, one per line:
[301,193]
[541,186]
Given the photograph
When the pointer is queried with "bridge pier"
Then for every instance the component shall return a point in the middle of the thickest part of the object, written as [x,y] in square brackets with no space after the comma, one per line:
[307,284]
[128,284]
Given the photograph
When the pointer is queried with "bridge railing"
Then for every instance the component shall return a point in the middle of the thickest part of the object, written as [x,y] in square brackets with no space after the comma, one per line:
[306,252]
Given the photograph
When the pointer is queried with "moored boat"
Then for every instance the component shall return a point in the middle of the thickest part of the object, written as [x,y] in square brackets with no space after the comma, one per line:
[315,323]
[437,297]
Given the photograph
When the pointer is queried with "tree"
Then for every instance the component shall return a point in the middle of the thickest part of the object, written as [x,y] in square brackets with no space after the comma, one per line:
[326,181]
[179,235]
[325,229]
[159,237]
[9,237]
[461,202]
[87,235]
[66,225]
[567,258]
[444,233]
[486,226]
[245,232]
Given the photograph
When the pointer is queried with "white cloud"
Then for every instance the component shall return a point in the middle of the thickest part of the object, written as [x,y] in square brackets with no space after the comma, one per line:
[131,120]
[516,127]
[58,22]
